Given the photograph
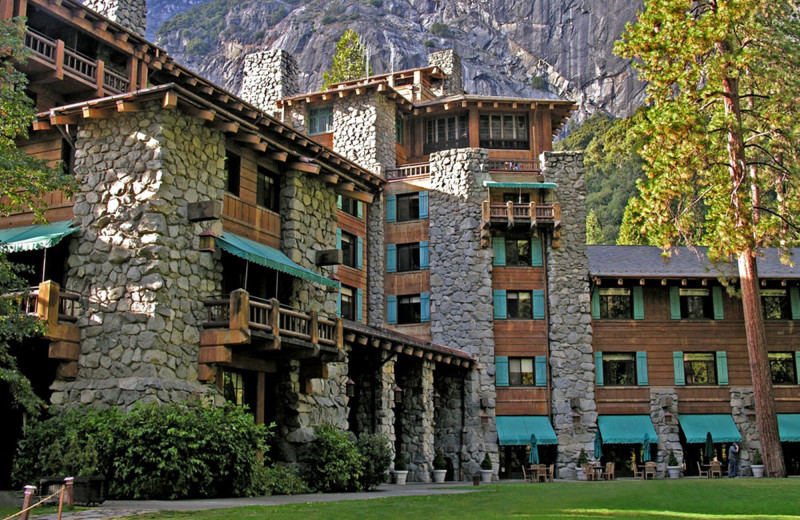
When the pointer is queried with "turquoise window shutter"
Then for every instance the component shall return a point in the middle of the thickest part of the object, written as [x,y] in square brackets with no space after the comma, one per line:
[677,361]
[596,303]
[339,201]
[501,371]
[391,208]
[541,370]
[536,252]
[641,369]
[359,300]
[339,304]
[794,300]
[716,298]
[538,305]
[499,248]
[391,258]
[359,253]
[638,303]
[424,255]
[674,303]
[722,368]
[598,368]
[425,307]
[338,239]
[500,312]
[423,204]
[797,366]
[391,310]
[359,209]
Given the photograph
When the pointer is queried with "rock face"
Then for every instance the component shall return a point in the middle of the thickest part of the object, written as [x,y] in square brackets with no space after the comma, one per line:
[506,46]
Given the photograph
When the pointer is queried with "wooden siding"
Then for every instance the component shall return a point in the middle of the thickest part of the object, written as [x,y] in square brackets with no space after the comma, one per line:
[518,278]
[418,330]
[520,338]
[623,400]
[325,139]
[407,232]
[412,282]
[522,400]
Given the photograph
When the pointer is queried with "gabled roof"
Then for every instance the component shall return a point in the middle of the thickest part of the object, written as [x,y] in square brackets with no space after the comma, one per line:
[648,262]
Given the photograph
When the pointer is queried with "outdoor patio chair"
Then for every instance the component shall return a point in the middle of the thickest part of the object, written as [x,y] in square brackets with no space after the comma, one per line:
[638,472]
[715,470]
[701,472]
[649,470]
[609,474]
[588,471]
[550,471]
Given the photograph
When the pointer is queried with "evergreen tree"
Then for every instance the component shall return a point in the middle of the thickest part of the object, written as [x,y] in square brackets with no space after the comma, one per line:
[722,145]
[630,231]
[349,62]
[594,236]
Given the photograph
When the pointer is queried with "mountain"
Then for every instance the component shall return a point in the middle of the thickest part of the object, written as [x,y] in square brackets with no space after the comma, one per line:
[507,47]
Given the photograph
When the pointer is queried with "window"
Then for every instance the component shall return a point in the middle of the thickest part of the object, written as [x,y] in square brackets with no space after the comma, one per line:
[347,307]
[616,303]
[696,304]
[520,372]
[68,157]
[320,120]
[782,366]
[348,248]
[776,304]
[233,169]
[700,368]
[398,129]
[519,305]
[409,309]
[517,198]
[233,387]
[518,252]
[619,368]
[504,131]
[407,207]
[445,133]
[269,189]
[350,206]
[408,258]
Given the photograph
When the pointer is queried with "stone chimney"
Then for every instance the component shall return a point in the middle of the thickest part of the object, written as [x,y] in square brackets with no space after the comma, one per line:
[450,64]
[131,14]
[268,77]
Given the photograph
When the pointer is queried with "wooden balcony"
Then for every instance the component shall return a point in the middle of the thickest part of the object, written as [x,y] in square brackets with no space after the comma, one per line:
[51,59]
[262,325]
[409,171]
[521,166]
[510,214]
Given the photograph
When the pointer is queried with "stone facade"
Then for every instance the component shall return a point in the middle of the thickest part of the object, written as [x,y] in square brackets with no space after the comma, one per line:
[364,131]
[461,286]
[450,63]
[131,14]
[664,416]
[569,313]
[135,259]
[416,380]
[376,267]
[268,76]
[743,412]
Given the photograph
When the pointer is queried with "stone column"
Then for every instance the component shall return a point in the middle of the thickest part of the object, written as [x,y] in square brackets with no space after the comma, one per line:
[448,419]
[461,290]
[376,215]
[417,418]
[664,401]
[744,415]
[363,130]
[570,320]
[450,63]
[131,14]
[267,77]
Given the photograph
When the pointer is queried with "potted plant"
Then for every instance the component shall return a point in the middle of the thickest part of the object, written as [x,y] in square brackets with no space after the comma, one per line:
[439,467]
[400,469]
[758,464]
[582,459]
[486,469]
[673,467]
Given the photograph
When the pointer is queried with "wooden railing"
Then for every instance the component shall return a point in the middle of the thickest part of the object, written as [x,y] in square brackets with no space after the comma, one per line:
[41,45]
[80,65]
[533,212]
[515,166]
[409,170]
[114,82]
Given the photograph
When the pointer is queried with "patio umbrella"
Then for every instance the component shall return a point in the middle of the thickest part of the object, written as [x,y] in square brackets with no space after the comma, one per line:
[646,449]
[598,446]
[534,456]
[709,451]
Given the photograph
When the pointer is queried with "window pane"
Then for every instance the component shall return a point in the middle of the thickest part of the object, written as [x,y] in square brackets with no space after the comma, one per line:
[696,304]
[348,249]
[518,252]
[348,303]
[700,368]
[616,303]
[408,257]
[496,129]
[522,127]
[519,305]
[520,372]
[483,127]
[619,369]
[407,207]
[508,127]
[776,304]
[408,309]
[782,367]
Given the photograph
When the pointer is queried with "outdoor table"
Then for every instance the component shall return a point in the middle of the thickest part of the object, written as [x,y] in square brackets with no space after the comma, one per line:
[598,472]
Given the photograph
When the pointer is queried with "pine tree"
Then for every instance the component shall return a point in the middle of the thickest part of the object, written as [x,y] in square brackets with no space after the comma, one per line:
[630,231]
[594,235]
[349,62]
[722,145]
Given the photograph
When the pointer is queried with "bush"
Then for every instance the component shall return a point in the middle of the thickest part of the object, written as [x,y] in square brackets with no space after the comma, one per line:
[486,465]
[401,462]
[284,480]
[376,3]
[442,30]
[335,463]
[439,462]
[672,460]
[198,47]
[377,454]
[757,459]
[582,458]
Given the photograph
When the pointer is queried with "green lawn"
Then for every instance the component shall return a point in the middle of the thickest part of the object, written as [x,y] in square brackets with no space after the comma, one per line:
[690,499]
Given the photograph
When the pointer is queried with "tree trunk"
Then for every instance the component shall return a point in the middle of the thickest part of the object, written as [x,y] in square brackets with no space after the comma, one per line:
[759,366]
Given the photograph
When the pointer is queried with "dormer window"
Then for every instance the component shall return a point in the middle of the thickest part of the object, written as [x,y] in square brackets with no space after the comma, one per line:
[320,120]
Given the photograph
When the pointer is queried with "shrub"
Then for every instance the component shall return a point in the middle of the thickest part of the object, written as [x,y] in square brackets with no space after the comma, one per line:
[439,462]
[442,30]
[284,480]
[486,465]
[376,3]
[582,458]
[401,462]
[672,460]
[377,454]
[198,47]
[539,83]
[429,43]
[757,460]
[335,463]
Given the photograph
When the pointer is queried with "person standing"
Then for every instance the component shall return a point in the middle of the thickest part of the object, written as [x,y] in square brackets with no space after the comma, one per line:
[733,460]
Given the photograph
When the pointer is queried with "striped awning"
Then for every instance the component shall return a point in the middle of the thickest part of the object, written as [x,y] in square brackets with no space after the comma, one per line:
[516,430]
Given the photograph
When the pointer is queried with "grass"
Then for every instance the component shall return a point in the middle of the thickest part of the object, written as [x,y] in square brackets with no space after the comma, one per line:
[685,499]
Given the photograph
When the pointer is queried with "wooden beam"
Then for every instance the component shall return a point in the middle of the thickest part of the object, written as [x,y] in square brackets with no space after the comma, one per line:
[199,113]
[170,100]
[329,177]
[41,125]
[346,187]
[229,127]
[205,89]
[248,138]
[64,120]
[363,196]
[96,113]
[278,156]
[128,106]
[303,166]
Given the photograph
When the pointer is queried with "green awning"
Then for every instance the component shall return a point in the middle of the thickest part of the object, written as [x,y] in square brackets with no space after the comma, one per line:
[516,430]
[626,429]
[269,257]
[722,428]
[31,238]
[789,427]
[538,185]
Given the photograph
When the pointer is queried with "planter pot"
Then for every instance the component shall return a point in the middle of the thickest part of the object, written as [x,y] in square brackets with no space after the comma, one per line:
[579,475]
[86,491]
[674,471]
[758,470]
[486,476]
[439,475]
[400,477]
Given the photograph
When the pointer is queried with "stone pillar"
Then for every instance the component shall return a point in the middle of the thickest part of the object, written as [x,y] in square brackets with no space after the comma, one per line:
[135,259]
[417,418]
[744,416]
[461,290]
[364,132]
[376,215]
[267,77]
[131,14]
[448,419]
[450,63]
[570,321]
[664,415]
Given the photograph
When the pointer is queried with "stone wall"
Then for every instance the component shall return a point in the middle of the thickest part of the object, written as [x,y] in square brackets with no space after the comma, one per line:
[450,63]
[417,417]
[268,76]
[375,301]
[135,260]
[570,320]
[131,14]
[743,411]
[363,131]
[461,285]
[664,401]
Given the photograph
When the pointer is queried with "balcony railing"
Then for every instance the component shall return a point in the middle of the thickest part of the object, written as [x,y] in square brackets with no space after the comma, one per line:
[408,171]
[515,166]
[536,214]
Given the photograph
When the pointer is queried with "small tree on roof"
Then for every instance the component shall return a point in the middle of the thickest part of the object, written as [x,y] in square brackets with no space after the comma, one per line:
[349,62]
